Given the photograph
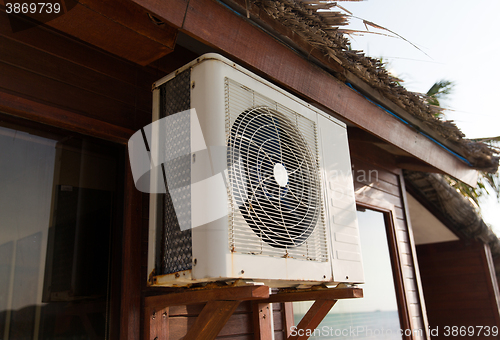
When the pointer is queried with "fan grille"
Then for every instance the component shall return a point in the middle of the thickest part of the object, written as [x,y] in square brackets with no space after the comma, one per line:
[274,178]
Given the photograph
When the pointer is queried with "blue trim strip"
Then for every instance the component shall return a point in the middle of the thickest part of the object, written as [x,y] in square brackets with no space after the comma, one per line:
[407,123]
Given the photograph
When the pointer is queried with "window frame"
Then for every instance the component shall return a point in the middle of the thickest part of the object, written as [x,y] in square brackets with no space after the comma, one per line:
[389,212]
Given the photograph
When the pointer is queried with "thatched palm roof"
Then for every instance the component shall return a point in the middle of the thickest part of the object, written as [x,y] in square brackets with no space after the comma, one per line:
[320,23]
[462,215]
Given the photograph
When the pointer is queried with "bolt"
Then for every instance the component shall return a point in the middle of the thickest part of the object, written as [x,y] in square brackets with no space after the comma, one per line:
[154,315]
[164,315]
[177,275]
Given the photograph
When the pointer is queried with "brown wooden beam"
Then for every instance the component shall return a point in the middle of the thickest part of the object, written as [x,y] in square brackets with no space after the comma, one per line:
[315,294]
[42,113]
[156,324]
[45,39]
[120,27]
[110,35]
[134,17]
[262,326]
[313,318]
[211,320]
[288,317]
[204,295]
[131,260]
[172,11]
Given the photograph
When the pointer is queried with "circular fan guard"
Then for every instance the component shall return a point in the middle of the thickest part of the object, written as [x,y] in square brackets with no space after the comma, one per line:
[274,177]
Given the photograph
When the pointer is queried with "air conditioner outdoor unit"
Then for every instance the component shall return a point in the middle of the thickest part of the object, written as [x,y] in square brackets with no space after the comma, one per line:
[259,183]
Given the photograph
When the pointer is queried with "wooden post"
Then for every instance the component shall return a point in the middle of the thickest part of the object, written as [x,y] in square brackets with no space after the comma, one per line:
[262,317]
[288,317]
[156,324]
[222,302]
[131,265]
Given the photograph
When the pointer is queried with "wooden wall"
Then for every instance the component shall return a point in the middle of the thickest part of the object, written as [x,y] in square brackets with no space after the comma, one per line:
[384,191]
[50,68]
[50,78]
[458,286]
[238,327]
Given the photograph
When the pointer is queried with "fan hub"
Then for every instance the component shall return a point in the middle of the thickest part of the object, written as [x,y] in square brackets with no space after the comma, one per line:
[280,174]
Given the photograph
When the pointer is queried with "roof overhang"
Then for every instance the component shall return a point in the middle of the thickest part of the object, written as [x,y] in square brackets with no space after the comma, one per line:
[218,26]
[310,76]
[451,208]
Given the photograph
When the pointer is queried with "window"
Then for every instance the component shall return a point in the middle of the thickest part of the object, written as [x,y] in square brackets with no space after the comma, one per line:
[376,315]
[58,204]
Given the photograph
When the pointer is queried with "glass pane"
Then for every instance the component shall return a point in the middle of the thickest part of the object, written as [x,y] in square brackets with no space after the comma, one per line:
[56,212]
[375,316]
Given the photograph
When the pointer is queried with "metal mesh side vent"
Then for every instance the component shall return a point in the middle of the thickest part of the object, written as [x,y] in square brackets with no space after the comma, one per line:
[276,206]
[176,245]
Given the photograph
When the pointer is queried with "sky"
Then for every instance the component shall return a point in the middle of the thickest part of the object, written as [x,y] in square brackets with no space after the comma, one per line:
[457,41]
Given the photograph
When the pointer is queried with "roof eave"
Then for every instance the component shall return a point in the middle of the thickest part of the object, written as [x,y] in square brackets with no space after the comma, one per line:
[300,69]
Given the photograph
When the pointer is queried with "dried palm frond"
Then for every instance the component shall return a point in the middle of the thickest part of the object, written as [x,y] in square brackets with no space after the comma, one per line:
[360,32]
[487,139]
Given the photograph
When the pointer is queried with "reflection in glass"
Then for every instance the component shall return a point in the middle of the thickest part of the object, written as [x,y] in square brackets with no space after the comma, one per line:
[375,316]
[56,211]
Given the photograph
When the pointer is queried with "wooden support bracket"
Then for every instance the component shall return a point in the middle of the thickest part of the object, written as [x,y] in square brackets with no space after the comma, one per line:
[220,305]
[222,302]
[211,320]
[156,323]
[314,294]
[325,299]
[313,318]
[262,321]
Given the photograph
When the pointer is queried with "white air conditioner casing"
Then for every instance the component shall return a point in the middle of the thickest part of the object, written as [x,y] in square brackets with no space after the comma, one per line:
[291,168]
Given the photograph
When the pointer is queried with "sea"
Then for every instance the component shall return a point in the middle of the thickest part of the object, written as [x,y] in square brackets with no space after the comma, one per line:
[383,325]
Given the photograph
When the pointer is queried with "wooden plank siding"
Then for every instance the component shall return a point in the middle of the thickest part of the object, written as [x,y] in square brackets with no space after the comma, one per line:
[239,326]
[459,291]
[381,188]
[51,69]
